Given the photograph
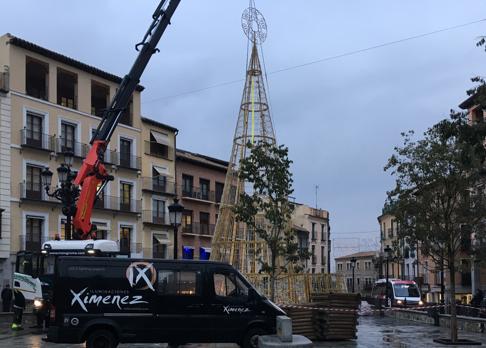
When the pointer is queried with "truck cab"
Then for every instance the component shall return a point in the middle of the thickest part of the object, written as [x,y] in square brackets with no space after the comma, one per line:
[106,301]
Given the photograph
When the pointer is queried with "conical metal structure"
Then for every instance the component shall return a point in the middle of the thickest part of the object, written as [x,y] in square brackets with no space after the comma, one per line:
[233,242]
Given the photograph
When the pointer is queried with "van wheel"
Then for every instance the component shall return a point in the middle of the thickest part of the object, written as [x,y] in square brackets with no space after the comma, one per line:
[251,337]
[101,339]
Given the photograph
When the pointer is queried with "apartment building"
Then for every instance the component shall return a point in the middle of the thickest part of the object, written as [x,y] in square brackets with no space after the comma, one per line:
[406,262]
[313,232]
[365,272]
[158,181]
[200,181]
[50,104]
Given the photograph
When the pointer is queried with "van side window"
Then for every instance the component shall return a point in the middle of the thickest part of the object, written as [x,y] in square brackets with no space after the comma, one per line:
[177,283]
[229,285]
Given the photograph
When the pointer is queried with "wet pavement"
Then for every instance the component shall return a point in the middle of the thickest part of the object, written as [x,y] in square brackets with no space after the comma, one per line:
[373,331]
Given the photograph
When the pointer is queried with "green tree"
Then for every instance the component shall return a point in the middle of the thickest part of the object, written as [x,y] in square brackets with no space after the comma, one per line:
[267,171]
[439,196]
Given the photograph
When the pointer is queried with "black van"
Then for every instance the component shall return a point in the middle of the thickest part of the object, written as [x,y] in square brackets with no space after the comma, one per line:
[106,301]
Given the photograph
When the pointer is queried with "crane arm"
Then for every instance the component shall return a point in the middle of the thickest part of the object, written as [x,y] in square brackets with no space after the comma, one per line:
[93,175]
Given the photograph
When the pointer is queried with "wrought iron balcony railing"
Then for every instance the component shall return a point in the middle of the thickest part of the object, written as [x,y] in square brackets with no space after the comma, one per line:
[155,149]
[158,184]
[35,139]
[199,229]
[155,217]
[197,193]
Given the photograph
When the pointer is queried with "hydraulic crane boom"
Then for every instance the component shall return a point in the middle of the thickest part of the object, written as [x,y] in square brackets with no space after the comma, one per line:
[93,176]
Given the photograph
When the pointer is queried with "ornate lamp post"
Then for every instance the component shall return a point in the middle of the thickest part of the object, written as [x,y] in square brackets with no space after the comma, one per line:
[387,251]
[67,193]
[175,217]
[353,265]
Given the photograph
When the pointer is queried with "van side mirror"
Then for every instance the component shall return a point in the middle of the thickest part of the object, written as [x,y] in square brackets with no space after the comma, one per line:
[252,295]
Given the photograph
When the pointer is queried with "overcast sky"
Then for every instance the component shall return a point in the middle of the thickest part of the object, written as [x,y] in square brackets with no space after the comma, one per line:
[340,118]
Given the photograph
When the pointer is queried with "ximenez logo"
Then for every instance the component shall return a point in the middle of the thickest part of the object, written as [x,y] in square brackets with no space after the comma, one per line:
[98,299]
[141,275]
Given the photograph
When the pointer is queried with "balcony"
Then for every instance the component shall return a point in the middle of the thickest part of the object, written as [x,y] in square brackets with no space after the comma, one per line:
[318,213]
[199,229]
[33,193]
[154,217]
[78,149]
[158,184]
[33,139]
[155,149]
[31,244]
[118,204]
[126,161]
[197,194]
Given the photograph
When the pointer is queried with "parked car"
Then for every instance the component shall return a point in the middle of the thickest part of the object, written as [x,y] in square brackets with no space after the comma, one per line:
[106,301]
[401,293]
[482,308]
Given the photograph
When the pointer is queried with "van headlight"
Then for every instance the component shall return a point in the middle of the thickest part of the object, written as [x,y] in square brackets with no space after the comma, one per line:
[399,302]
[89,249]
[421,303]
[38,303]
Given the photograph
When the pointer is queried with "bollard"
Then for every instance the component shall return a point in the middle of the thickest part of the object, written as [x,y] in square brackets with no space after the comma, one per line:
[284,328]
[284,337]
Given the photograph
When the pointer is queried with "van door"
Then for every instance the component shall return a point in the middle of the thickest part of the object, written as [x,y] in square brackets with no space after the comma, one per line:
[181,307]
[229,305]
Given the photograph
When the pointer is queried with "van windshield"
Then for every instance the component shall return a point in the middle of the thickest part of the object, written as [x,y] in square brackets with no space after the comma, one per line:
[406,290]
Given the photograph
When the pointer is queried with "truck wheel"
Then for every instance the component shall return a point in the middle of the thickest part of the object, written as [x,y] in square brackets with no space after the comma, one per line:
[251,337]
[101,339]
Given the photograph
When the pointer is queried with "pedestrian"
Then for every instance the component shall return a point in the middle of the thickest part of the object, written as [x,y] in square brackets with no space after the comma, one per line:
[18,306]
[6,298]
[477,298]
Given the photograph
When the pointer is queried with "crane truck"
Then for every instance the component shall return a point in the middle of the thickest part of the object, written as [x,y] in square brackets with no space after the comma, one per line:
[33,270]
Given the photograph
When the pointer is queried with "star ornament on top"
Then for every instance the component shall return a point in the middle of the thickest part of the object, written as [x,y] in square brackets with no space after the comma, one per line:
[254,25]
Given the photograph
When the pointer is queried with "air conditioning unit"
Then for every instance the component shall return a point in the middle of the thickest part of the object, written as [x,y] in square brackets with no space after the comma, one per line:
[4,81]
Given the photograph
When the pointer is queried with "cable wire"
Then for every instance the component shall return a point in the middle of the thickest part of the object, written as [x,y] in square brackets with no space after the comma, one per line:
[325,59]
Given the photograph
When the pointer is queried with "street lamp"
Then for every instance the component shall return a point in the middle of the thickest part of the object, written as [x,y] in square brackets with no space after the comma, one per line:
[353,265]
[387,251]
[175,218]
[67,193]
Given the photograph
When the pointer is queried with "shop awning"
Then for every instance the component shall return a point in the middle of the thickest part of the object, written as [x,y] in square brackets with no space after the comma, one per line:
[161,238]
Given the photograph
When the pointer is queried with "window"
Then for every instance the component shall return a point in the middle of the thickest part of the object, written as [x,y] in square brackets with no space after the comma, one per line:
[34,130]
[101,230]
[125,235]
[323,256]
[219,191]
[68,137]
[340,266]
[187,221]
[348,266]
[204,222]
[125,152]
[100,97]
[127,115]
[67,85]
[188,253]
[323,232]
[159,246]
[33,189]
[229,285]
[177,283]
[314,231]
[125,196]
[159,144]
[390,230]
[357,266]
[159,182]
[187,181]
[36,78]
[33,228]
[204,187]
[314,255]
[158,211]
